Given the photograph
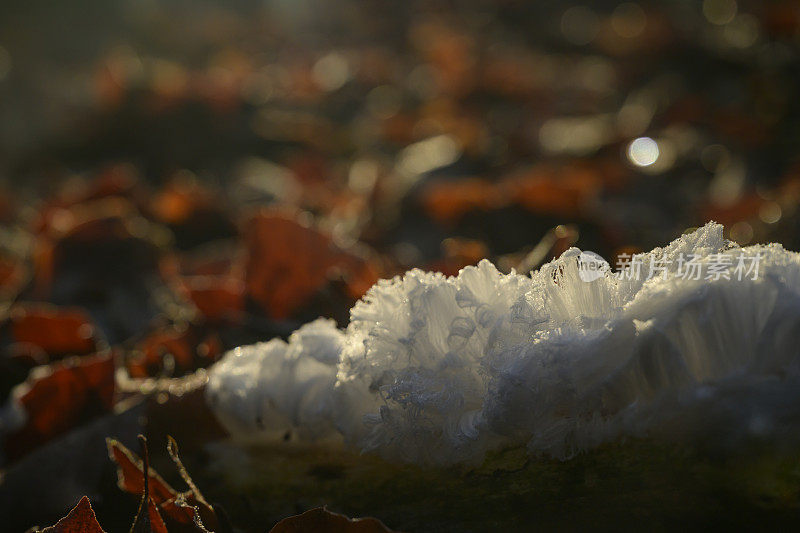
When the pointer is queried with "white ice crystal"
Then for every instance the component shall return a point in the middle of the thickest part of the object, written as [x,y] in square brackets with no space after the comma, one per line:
[438,370]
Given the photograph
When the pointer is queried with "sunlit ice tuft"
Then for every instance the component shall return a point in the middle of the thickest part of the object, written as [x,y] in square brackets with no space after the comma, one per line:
[440,370]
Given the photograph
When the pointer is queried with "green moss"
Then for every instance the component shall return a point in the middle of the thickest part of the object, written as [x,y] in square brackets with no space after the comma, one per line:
[631,485]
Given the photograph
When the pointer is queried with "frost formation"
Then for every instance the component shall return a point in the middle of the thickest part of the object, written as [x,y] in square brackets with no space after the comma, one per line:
[440,370]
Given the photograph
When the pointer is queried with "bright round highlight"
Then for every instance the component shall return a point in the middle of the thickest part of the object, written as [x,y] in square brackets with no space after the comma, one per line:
[643,151]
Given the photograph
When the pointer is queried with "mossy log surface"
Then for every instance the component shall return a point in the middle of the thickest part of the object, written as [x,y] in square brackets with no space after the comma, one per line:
[636,485]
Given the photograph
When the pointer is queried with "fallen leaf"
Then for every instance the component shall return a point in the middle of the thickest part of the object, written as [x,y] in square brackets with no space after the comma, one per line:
[448,201]
[193,213]
[188,349]
[13,275]
[180,510]
[81,519]
[77,463]
[320,520]
[148,519]
[101,255]
[217,298]
[157,524]
[288,263]
[117,181]
[129,474]
[52,331]
[563,191]
[59,397]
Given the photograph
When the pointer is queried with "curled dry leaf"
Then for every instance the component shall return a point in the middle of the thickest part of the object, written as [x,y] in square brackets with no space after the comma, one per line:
[320,520]
[181,511]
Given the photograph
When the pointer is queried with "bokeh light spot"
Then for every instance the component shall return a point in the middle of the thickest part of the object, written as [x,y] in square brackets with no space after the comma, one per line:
[742,32]
[331,71]
[742,232]
[719,12]
[643,151]
[629,20]
[770,213]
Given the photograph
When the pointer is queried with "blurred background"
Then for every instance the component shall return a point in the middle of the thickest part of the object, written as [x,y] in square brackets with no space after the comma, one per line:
[262,163]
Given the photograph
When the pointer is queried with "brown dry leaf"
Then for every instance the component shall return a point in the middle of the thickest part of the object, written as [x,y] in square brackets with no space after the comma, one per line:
[457,253]
[157,524]
[448,201]
[59,397]
[185,512]
[217,298]
[188,348]
[289,263]
[178,407]
[42,486]
[564,191]
[129,474]
[148,519]
[181,510]
[320,520]
[193,212]
[53,331]
[117,181]
[87,238]
[13,275]
[80,519]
